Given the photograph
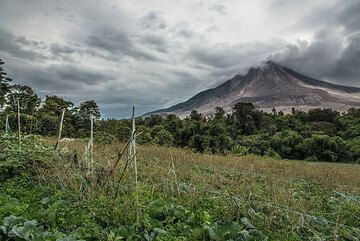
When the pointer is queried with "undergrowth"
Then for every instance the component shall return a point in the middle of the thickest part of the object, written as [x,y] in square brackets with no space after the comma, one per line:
[181,196]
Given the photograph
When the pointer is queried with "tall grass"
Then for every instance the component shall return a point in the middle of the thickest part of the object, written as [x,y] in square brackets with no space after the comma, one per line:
[284,199]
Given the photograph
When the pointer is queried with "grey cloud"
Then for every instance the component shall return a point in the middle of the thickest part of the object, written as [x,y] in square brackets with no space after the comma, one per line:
[183,30]
[155,41]
[316,58]
[348,65]
[350,16]
[153,20]
[226,56]
[80,74]
[117,42]
[15,46]
[57,49]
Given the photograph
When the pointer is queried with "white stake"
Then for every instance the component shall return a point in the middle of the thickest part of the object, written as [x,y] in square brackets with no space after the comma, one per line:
[60,128]
[133,146]
[18,116]
[91,142]
[7,123]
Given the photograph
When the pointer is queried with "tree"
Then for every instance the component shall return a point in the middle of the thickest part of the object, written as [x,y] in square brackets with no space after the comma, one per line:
[88,108]
[28,99]
[153,120]
[196,116]
[325,148]
[219,114]
[54,105]
[248,119]
[164,138]
[4,84]
[327,115]
[200,143]
[286,142]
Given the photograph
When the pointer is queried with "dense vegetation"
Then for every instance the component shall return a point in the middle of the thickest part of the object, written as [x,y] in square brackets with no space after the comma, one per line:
[181,195]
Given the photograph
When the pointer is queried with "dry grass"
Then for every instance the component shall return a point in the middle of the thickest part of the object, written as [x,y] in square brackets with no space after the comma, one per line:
[280,189]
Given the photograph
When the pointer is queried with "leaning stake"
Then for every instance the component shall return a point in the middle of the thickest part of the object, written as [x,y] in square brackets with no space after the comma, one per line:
[133,146]
[60,129]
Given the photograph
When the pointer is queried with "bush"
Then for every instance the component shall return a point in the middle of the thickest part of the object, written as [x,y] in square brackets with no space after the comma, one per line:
[324,148]
[285,144]
[164,138]
[14,158]
[240,150]
[104,137]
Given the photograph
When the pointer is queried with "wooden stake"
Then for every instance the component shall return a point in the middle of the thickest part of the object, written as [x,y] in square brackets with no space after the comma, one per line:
[7,123]
[18,116]
[134,146]
[91,141]
[60,129]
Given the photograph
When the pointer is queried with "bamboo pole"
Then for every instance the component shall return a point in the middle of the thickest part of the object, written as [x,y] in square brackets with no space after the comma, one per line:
[18,117]
[60,129]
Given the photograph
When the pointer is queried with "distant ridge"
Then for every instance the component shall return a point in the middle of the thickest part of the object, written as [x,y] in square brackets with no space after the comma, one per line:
[270,86]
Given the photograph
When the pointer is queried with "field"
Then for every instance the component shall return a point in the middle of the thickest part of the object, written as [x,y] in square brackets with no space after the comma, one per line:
[182,195]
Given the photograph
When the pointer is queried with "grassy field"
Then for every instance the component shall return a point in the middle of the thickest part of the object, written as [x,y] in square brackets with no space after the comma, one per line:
[182,195]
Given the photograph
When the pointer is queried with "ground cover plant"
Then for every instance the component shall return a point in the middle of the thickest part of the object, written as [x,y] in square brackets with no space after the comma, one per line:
[181,195]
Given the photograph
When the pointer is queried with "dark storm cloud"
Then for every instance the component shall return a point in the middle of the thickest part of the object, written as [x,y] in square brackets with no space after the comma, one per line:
[348,66]
[18,46]
[81,75]
[315,58]
[117,43]
[333,54]
[226,56]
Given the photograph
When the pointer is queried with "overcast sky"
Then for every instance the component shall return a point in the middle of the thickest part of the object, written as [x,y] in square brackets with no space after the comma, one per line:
[156,53]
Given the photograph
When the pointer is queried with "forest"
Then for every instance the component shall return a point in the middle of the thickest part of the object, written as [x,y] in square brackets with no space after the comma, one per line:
[316,135]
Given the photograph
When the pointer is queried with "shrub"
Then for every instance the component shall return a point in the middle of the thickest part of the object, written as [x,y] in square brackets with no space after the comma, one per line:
[104,137]
[14,158]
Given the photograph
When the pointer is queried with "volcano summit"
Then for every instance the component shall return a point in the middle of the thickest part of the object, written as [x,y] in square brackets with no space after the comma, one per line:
[270,86]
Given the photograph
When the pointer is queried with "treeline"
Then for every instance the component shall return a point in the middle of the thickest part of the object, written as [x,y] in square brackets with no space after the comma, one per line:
[317,135]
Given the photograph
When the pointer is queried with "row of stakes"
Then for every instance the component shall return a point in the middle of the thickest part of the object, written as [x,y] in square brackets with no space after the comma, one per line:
[130,146]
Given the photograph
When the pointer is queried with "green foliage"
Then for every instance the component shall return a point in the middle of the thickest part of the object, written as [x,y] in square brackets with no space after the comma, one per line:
[285,143]
[104,137]
[28,99]
[163,137]
[4,84]
[14,158]
[240,150]
[325,148]
[20,229]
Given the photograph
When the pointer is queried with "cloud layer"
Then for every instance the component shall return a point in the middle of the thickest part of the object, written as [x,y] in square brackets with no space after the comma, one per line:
[124,53]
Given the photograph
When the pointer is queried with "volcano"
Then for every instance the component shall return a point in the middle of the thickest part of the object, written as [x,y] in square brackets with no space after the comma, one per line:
[270,86]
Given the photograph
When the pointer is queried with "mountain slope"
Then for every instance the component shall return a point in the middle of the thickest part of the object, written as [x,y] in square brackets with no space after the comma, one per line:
[270,86]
